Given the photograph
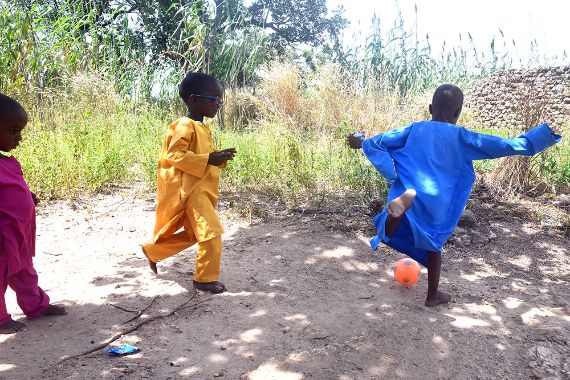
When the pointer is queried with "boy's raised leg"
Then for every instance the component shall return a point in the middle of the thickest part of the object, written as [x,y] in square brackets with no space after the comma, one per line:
[167,246]
[435,297]
[396,210]
[151,263]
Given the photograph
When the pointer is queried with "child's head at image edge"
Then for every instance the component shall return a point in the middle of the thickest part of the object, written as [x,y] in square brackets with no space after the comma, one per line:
[13,120]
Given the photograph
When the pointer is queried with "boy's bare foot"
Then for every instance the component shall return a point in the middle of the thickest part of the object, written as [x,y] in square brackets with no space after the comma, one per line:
[54,310]
[151,263]
[438,300]
[12,327]
[215,287]
[400,205]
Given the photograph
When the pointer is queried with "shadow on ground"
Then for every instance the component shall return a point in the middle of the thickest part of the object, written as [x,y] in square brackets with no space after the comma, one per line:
[307,299]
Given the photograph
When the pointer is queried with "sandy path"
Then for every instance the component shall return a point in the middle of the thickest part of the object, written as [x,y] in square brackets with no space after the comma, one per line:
[307,300]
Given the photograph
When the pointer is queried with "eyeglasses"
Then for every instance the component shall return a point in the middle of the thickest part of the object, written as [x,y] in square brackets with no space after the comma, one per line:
[212,98]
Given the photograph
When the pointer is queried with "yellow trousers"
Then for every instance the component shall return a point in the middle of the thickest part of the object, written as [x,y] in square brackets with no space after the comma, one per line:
[208,259]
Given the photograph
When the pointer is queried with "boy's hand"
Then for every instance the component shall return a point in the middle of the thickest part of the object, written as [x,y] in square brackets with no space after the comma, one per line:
[354,141]
[218,158]
[35,199]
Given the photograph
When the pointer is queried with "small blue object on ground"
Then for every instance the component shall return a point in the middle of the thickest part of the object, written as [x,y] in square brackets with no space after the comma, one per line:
[125,349]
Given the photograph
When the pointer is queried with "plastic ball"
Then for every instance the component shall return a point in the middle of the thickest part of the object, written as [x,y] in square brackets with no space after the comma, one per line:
[407,272]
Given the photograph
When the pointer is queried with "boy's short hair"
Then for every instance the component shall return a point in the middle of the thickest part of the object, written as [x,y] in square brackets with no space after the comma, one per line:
[7,104]
[194,83]
[447,96]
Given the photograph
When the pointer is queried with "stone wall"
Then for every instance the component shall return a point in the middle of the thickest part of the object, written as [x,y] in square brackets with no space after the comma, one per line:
[521,98]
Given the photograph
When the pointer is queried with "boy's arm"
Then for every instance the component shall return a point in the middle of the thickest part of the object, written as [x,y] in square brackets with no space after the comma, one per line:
[377,150]
[480,146]
[181,158]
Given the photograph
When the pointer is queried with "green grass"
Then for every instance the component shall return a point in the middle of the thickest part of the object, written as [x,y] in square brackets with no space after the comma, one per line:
[83,146]
[86,151]
[296,166]
[91,124]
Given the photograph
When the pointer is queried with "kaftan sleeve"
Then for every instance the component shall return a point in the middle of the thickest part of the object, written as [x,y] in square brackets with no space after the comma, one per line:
[377,150]
[179,155]
[479,146]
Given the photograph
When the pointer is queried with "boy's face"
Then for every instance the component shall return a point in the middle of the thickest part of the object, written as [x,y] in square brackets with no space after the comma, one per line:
[209,101]
[11,125]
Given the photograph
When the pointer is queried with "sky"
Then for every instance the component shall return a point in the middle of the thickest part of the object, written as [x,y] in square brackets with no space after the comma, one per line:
[546,21]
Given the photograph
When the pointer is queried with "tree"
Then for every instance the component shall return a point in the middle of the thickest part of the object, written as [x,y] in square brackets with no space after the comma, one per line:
[224,37]
[297,21]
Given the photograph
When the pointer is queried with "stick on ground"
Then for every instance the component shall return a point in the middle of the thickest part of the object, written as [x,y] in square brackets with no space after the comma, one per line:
[140,312]
[129,330]
[123,309]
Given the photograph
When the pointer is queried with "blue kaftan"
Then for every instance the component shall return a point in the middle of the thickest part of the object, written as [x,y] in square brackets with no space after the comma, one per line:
[436,159]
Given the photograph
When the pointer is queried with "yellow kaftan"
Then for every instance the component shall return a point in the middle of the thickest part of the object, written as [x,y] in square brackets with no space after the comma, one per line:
[187,191]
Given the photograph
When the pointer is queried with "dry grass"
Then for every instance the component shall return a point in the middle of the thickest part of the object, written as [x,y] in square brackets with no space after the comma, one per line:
[283,90]
[327,101]
[290,138]
[241,109]
[518,174]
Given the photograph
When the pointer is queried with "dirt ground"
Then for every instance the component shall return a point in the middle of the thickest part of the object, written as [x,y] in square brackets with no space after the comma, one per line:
[307,299]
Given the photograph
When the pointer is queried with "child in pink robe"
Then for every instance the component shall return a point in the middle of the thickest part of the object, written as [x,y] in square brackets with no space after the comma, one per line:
[17,227]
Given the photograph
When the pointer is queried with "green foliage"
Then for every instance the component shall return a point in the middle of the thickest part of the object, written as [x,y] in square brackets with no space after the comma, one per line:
[296,166]
[98,78]
[294,21]
[81,149]
[46,43]
[90,140]
[74,149]
[400,60]
[554,165]
[146,46]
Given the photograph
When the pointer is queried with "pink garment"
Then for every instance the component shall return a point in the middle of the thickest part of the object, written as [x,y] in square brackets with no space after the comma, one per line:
[31,298]
[17,242]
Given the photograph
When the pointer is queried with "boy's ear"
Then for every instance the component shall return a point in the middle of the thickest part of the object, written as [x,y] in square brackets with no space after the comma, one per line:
[430,110]
[458,112]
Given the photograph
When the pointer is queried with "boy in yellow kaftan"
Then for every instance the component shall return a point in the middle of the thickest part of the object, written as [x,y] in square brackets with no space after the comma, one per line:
[188,180]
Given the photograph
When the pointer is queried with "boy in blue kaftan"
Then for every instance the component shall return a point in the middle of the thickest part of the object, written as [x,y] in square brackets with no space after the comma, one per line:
[429,165]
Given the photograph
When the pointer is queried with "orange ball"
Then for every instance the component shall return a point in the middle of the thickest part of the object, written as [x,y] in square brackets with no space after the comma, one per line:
[407,272]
